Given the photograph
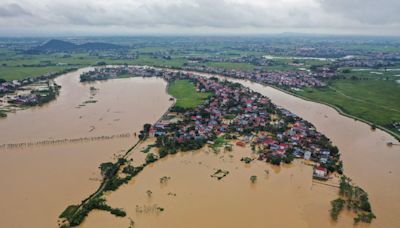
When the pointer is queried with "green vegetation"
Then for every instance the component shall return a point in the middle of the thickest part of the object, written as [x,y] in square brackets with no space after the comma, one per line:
[3,114]
[376,101]
[337,207]
[75,215]
[150,158]
[274,159]
[232,66]
[246,160]
[147,148]
[218,143]
[17,73]
[253,179]
[186,95]
[355,199]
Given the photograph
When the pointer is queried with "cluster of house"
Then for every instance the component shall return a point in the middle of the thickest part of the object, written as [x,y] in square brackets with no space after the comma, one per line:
[12,86]
[296,79]
[24,99]
[236,110]
[32,94]
[367,63]
[115,55]
[105,73]
[257,61]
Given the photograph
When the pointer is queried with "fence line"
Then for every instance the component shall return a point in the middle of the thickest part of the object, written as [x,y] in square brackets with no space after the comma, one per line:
[63,141]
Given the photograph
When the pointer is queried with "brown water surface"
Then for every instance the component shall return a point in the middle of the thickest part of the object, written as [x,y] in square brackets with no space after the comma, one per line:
[367,159]
[39,182]
[281,196]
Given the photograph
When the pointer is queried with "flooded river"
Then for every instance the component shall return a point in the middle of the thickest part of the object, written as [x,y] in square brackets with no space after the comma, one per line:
[39,182]
[367,159]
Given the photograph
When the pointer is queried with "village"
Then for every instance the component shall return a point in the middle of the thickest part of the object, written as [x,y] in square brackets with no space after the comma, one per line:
[287,79]
[236,113]
[293,79]
[19,95]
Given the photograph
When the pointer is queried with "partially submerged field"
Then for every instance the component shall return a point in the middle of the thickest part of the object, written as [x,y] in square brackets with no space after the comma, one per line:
[186,95]
[376,101]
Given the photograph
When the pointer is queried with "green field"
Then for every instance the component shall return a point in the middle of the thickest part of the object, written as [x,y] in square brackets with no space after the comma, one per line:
[376,101]
[232,66]
[186,95]
[18,66]
[17,73]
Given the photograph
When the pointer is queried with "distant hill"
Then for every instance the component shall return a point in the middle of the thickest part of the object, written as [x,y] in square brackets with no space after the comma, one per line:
[65,46]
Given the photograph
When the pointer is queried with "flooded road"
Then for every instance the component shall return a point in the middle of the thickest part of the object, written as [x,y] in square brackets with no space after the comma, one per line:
[39,182]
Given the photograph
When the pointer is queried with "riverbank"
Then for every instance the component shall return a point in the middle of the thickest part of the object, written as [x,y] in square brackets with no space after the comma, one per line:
[340,111]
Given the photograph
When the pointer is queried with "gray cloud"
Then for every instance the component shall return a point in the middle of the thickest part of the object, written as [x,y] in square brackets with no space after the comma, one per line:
[343,16]
[374,12]
[12,10]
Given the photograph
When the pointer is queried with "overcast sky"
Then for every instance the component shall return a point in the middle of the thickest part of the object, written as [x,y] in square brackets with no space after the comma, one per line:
[135,17]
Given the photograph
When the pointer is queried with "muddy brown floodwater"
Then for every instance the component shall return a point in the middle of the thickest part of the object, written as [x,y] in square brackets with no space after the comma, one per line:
[39,182]
[286,197]
[281,196]
[367,159]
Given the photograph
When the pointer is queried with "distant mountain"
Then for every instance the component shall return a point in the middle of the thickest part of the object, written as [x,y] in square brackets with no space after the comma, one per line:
[65,46]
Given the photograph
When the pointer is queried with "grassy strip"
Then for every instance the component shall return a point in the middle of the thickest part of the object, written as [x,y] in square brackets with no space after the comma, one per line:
[375,101]
[17,73]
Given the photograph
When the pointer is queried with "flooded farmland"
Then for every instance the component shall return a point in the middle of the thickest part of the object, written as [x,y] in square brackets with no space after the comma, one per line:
[46,179]
[40,181]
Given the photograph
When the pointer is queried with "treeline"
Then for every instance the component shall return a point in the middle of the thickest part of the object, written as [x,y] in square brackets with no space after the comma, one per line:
[169,145]
[355,199]
[76,215]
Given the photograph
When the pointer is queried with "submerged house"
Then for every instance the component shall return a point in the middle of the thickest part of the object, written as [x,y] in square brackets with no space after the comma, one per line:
[320,173]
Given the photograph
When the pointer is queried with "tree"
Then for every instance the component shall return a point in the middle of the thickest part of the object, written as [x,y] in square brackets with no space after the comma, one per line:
[276,160]
[337,207]
[150,158]
[163,152]
[253,179]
